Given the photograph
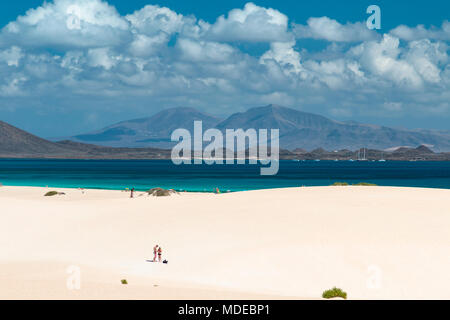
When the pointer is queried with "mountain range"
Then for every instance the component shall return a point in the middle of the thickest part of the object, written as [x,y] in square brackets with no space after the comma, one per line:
[154,131]
[16,143]
[297,130]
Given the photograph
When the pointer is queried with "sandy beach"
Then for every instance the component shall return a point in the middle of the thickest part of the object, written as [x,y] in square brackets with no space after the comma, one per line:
[373,242]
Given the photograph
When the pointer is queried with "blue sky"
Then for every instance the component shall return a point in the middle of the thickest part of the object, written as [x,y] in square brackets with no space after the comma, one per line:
[118,60]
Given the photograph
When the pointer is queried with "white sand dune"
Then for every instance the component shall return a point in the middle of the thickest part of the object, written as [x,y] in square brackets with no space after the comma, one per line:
[373,242]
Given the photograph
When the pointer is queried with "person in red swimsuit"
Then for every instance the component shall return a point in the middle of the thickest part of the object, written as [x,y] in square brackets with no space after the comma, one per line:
[159,254]
[155,252]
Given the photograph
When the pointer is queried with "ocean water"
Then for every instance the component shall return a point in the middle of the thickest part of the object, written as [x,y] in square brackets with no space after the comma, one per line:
[146,174]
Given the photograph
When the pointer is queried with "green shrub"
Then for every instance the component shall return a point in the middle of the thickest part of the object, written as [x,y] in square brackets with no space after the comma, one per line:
[159,192]
[365,184]
[340,184]
[51,194]
[123,281]
[334,293]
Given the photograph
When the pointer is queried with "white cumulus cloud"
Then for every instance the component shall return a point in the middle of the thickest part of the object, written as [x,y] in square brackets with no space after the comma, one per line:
[420,32]
[68,23]
[253,24]
[328,29]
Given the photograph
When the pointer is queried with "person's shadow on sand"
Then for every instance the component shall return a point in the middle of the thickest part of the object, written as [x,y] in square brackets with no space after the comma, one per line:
[164,262]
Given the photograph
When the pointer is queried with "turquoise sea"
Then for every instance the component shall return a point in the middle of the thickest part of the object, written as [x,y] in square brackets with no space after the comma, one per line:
[146,174]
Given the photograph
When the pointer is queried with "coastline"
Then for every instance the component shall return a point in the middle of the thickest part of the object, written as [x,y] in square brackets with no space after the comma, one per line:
[230,246]
[144,191]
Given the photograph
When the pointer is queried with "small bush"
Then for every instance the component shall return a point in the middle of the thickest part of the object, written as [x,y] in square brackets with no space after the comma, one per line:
[365,184]
[334,293]
[159,192]
[123,281]
[51,194]
[340,184]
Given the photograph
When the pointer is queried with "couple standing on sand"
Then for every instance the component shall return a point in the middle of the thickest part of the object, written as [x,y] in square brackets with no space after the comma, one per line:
[157,251]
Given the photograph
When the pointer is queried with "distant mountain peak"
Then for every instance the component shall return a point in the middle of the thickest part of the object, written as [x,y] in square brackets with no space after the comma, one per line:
[153,131]
[16,141]
[298,129]
[424,149]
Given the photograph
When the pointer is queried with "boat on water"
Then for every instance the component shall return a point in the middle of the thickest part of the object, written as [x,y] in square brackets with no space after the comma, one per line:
[363,157]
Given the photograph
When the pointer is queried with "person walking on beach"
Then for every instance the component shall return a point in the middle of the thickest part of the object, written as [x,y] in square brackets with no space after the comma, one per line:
[132,193]
[159,254]
[155,252]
